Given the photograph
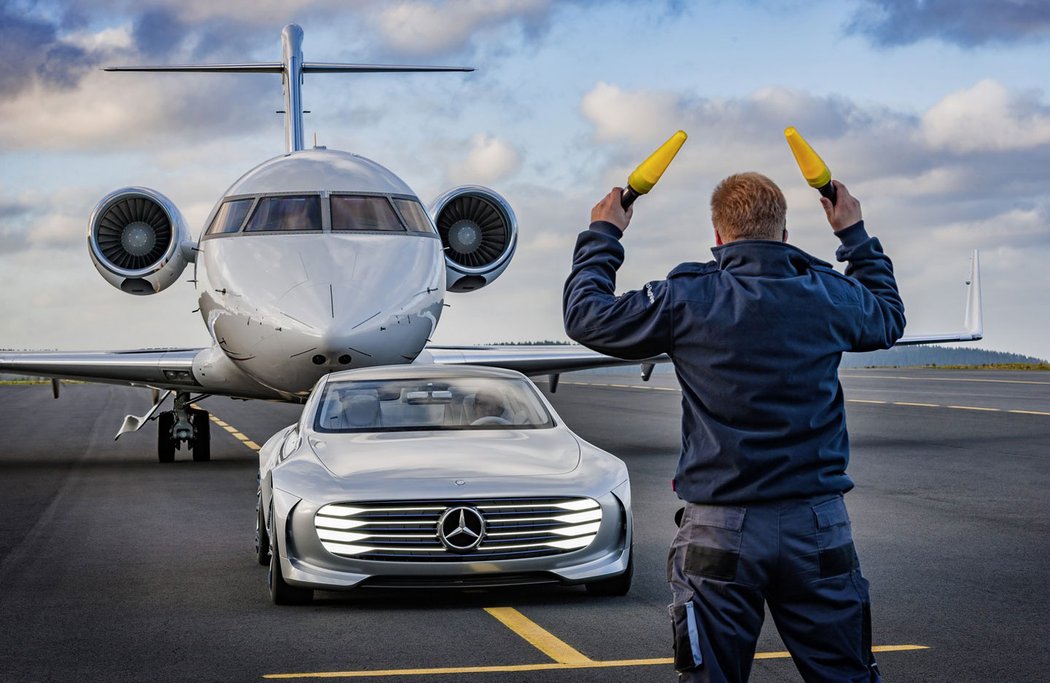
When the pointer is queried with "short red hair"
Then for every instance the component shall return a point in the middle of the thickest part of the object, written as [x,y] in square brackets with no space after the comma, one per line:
[748,206]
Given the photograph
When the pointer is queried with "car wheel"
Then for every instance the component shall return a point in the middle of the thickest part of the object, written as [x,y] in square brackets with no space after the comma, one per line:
[616,585]
[262,539]
[281,593]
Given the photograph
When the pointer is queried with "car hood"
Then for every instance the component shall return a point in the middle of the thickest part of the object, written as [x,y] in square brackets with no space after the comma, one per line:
[468,454]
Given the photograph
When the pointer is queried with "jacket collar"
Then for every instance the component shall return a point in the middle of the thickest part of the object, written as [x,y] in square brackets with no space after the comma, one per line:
[764,257]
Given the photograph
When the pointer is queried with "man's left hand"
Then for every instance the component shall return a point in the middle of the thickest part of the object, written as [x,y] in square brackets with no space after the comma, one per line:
[610,210]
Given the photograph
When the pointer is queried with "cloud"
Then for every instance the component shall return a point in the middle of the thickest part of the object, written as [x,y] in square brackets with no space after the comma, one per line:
[967,24]
[967,173]
[423,28]
[987,117]
[489,160]
[31,51]
[118,111]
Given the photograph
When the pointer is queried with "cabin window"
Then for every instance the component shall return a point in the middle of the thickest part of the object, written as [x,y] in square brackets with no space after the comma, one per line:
[364,213]
[286,213]
[415,217]
[230,216]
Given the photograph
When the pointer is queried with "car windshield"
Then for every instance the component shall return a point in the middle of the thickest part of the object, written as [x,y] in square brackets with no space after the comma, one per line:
[467,403]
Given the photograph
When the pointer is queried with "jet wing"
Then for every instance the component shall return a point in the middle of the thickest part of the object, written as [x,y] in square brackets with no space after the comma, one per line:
[536,359]
[553,358]
[157,368]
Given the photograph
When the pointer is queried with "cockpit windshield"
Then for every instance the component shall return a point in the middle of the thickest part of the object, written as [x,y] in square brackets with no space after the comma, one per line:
[363,213]
[316,212]
[230,216]
[286,213]
[467,403]
[415,217]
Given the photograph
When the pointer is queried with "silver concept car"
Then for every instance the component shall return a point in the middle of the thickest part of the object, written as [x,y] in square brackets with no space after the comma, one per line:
[423,475]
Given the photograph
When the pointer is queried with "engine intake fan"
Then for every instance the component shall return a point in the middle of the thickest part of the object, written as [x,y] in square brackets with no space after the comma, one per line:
[479,232]
[135,240]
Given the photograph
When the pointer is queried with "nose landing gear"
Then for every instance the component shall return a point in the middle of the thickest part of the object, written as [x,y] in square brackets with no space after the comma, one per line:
[184,424]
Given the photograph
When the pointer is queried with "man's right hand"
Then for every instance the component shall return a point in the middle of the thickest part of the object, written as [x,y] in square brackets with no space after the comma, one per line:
[845,211]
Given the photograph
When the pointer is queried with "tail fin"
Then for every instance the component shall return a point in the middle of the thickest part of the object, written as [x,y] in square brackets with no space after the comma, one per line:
[292,67]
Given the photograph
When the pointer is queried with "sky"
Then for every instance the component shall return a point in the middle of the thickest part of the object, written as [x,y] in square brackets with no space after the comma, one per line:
[934,113]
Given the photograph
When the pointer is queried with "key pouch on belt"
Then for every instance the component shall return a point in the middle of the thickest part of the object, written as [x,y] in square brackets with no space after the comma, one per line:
[686,626]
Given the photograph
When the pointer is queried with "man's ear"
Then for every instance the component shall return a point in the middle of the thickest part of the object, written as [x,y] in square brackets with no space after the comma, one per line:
[718,238]
[785,235]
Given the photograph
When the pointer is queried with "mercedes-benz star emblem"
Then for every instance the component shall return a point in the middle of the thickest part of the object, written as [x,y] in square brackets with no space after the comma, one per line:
[461,529]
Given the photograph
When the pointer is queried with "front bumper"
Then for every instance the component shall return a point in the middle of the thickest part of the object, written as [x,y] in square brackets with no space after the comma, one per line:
[305,562]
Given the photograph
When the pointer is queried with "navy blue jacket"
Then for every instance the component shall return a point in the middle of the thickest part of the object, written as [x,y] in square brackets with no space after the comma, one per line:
[756,337]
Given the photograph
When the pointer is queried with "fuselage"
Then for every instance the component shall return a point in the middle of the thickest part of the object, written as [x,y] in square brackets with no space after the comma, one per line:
[315,261]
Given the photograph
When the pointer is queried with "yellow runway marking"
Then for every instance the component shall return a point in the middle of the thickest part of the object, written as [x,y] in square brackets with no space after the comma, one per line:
[861,400]
[916,405]
[236,434]
[541,639]
[990,410]
[551,666]
[1027,412]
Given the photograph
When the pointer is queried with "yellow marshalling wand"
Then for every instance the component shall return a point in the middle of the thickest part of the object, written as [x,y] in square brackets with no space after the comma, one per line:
[649,171]
[813,168]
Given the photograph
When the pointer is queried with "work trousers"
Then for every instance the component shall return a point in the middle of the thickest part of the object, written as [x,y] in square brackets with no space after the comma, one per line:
[726,562]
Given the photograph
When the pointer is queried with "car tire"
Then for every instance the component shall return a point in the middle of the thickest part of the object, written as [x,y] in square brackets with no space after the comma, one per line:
[615,586]
[282,593]
[262,539]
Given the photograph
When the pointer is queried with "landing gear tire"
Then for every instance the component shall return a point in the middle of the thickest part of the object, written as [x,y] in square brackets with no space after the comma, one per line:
[615,586]
[201,435]
[165,442]
[282,593]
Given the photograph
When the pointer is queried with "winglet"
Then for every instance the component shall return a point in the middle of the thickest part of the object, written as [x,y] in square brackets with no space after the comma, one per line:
[974,318]
[973,321]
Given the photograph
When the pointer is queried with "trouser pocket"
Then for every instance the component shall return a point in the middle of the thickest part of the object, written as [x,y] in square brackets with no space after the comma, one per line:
[686,630]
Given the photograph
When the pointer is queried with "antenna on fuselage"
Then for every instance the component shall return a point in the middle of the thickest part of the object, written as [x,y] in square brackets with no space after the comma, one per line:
[292,67]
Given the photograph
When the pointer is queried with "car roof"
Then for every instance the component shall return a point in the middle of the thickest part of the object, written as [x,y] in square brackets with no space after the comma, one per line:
[424,371]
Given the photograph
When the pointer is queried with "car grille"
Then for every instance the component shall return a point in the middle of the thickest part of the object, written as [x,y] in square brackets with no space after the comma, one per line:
[407,531]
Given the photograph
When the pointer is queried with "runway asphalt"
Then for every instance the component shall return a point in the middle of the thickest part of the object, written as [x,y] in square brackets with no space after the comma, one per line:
[116,568]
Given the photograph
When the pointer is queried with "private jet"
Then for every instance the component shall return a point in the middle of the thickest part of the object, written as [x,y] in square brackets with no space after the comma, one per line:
[312,262]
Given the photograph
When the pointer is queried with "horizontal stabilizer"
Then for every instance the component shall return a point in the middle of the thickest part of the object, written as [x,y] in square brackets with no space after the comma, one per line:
[278,67]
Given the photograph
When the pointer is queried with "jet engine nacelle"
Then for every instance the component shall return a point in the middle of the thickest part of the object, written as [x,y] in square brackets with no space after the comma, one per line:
[138,240]
[479,232]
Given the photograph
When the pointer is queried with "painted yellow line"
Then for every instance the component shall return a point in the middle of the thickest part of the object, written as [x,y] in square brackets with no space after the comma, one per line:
[918,405]
[540,638]
[862,400]
[989,410]
[235,433]
[511,668]
[1027,412]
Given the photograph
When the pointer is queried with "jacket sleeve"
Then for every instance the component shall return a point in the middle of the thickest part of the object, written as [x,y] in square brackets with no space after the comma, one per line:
[881,320]
[634,325]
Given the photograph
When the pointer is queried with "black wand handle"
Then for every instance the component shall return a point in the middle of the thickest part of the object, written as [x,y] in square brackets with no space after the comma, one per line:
[630,194]
[829,192]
